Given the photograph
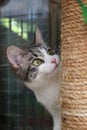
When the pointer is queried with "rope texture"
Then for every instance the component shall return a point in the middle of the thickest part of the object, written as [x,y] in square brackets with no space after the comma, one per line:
[74,66]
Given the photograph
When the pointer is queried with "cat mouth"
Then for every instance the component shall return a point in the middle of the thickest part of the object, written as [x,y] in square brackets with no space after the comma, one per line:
[55,68]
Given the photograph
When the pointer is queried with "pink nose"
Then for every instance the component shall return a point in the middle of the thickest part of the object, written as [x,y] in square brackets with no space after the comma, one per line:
[54,61]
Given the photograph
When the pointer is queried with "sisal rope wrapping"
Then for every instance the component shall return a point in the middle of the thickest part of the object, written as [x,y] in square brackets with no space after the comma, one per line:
[74,67]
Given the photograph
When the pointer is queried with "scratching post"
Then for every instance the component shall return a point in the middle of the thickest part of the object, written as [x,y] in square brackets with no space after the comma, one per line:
[74,66]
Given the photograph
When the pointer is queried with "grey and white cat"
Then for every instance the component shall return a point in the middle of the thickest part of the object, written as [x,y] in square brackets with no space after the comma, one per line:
[39,69]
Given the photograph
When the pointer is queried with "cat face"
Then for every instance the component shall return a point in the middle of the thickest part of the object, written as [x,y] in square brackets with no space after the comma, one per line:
[49,64]
[36,62]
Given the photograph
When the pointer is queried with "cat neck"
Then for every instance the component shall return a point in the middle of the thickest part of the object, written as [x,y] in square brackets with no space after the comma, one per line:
[47,89]
[46,81]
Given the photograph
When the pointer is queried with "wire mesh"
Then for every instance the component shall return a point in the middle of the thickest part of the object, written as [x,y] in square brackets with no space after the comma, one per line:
[19,109]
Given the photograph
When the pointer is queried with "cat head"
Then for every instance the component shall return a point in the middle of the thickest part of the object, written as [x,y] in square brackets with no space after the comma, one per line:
[38,61]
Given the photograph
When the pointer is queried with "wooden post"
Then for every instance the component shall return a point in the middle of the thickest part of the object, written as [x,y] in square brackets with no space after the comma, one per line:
[54,23]
[74,66]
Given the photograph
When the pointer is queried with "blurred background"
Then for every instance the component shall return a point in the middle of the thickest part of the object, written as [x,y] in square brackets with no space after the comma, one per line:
[19,109]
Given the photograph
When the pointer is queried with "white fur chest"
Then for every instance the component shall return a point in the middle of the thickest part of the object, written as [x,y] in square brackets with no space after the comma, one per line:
[46,93]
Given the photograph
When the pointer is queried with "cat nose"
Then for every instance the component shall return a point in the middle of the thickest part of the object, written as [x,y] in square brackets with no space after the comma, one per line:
[54,61]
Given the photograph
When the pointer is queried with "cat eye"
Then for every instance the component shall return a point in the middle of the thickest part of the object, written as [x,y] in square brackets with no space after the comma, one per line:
[50,52]
[37,62]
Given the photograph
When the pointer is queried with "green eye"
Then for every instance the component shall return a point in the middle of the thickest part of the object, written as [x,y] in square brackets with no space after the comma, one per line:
[37,62]
[51,52]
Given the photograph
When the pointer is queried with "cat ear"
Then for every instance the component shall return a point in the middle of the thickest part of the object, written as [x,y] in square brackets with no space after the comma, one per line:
[14,55]
[38,37]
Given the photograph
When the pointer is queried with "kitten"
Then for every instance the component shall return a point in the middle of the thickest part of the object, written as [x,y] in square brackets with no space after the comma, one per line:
[39,69]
